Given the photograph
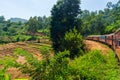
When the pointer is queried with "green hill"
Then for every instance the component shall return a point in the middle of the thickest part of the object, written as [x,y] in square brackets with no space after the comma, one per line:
[18,20]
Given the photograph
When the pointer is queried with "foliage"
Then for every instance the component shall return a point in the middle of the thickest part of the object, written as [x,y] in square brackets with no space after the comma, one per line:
[64,18]
[14,31]
[44,23]
[113,27]
[101,22]
[4,77]
[49,69]
[32,26]
[18,38]
[45,31]
[7,62]
[73,42]
[91,66]
[45,49]
[2,19]
[95,66]
[58,67]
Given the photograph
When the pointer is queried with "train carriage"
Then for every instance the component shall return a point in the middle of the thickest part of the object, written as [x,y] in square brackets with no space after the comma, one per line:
[102,38]
[117,38]
[111,39]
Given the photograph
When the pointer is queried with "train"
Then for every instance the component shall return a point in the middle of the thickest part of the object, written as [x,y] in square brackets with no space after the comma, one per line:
[113,39]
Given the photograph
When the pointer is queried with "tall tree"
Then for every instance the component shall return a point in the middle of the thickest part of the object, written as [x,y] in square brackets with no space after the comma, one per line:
[64,18]
[32,26]
[2,19]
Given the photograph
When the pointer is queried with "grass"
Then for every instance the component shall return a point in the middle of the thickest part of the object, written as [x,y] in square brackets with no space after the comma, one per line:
[21,79]
[96,66]
[32,47]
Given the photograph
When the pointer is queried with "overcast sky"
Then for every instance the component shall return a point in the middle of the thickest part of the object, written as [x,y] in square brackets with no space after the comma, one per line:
[26,8]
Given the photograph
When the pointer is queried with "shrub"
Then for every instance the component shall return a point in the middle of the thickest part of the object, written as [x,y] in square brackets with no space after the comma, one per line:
[73,42]
[45,49]
[32,38]
[18,38]
[7,62]
[55,68]
[91,66]
[95,66]
[4,77]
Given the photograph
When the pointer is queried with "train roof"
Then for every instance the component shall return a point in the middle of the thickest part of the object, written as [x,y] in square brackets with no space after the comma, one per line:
[117,31]
[106,34]
[93,35]
[101,35]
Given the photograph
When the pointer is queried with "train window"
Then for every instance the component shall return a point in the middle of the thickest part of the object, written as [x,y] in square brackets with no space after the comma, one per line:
[119,43]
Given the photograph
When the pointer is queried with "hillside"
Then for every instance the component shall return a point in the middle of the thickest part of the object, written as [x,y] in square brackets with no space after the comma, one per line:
[92,45]
[8,50]
[18,20]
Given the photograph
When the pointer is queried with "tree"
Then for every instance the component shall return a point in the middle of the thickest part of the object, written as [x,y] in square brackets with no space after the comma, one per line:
[32,26]
[73,42]
[2,19]
[109,5]
[64,18]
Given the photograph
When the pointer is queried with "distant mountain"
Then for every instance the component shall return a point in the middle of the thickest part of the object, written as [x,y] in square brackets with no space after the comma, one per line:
[18,20]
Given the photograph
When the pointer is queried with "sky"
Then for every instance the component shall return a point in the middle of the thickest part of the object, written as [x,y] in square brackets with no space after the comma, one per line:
[27,8]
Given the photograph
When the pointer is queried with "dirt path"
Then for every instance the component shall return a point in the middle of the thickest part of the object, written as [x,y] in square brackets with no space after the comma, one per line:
[92,45]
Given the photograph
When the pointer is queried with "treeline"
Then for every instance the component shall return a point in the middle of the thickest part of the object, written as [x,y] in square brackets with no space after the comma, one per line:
[101,22]
[13,31]
[87,23]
